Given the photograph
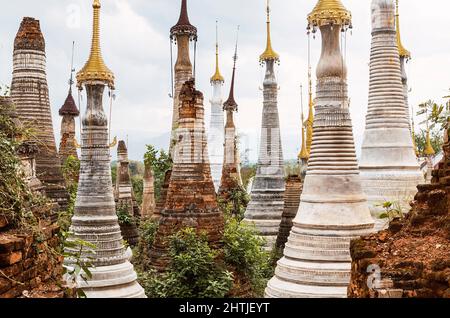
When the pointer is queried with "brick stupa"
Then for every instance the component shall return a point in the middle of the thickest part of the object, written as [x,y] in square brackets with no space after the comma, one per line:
[29,92]
[191,198]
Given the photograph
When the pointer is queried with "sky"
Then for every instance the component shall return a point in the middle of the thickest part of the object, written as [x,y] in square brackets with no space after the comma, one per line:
[136,47]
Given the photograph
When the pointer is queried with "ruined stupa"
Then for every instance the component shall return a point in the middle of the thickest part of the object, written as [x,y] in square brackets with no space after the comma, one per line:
[95,220]
[389,168]
[181,34]
[27,149]
[231,171]
[333,208]
[69,111]
[124,196]
[216,132]
[29,92]
[148,194]
[191,198]
[266,205]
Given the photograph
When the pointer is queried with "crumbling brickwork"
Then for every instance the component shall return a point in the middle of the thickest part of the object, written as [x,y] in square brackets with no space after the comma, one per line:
[191,198]
[28,267]
[412,257]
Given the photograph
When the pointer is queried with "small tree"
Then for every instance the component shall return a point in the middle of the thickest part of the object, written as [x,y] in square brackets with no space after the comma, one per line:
[160,162]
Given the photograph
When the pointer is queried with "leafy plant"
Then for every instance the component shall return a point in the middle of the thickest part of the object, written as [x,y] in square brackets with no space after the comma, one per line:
[195,270]
[243,251]
[124,216]
[79,264]
[392,210]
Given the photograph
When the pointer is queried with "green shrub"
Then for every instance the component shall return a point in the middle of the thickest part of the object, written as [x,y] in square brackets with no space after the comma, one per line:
[194,271]
[243,251]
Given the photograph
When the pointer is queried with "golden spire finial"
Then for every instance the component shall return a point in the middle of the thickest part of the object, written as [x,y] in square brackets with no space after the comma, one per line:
[429,151]
[269,54]
[303,155]
[328,12]
[217,77]
[95,69]
[401,49]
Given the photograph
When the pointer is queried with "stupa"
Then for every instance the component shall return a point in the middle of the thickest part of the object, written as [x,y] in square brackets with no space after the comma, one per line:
[95,220]
[191,198]
[231,178]
[267,196]
[216,131]
[181,34]
[29,92]
[333,208]
[389,168]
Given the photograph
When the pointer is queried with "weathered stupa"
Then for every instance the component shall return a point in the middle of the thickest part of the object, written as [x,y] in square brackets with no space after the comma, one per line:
[148,194]
[231,171]
[29,92]
[216,132]
[389,168]
[333,207]
[27,149]
[191,199]
[95,220]
[266,205]
[124,196]
[181,34]
[69,111]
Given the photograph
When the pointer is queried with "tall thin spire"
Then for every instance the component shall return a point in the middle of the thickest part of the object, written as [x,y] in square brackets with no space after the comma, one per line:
[401,49]
[269,53]
[231,104]
[95,69]
[217,77]
[303,152]
[183,25]
[69,107]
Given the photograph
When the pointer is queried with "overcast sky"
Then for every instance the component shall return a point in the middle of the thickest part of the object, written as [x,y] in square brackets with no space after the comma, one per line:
[135,44]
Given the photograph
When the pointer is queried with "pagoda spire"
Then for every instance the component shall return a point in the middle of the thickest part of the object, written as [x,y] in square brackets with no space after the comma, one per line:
[95,69]
[230,103]
[217,77]
[269,54]
[401,49]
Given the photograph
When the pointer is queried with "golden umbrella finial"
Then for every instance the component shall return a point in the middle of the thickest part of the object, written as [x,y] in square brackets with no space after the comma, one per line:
[95,69]
[401,49]
[269,54]
[217,77]
[328,12]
